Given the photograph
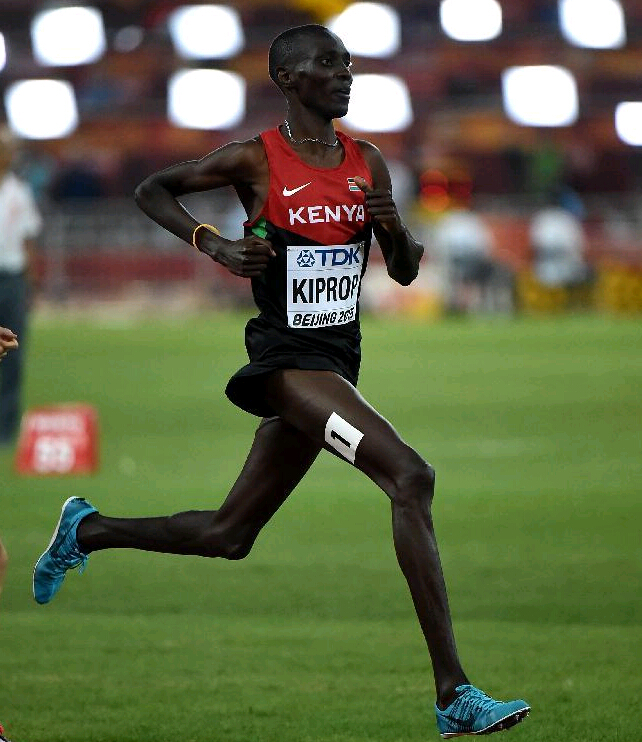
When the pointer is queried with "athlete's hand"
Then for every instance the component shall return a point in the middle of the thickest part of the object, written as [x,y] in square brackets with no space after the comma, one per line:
[381,206]
[8,341]
[248,257]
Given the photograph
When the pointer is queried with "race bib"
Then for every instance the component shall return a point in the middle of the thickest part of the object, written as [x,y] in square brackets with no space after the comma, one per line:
[323,284]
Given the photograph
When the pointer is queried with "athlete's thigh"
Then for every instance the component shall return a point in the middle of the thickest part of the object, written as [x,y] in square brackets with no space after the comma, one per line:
[279,458]
[331,411]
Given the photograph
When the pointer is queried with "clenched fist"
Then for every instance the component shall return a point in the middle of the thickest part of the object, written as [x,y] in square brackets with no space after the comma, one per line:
[8,341]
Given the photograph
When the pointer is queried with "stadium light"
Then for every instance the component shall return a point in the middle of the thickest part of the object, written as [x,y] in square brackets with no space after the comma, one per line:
[628,122]
[68,36]
[379,103]
[471,20]
[597,24]
[41,109]
[368,29]
[3,53]
[540,95]
[206,99]
[206,31]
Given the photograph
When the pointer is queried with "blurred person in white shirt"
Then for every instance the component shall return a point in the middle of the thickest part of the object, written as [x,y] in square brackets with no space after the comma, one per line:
[464,244]
[20,223]
[558,242]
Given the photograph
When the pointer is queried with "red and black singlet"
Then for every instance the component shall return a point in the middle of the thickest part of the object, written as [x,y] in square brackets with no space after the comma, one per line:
[308,296]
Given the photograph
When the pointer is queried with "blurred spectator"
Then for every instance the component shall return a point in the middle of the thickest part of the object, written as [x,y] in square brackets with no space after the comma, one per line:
[558,242]
[546,166]
[37,169]
[474,280]
[78,179]
[20,222]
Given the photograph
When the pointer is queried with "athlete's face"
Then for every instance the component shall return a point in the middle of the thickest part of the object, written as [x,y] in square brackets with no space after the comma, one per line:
[322,77]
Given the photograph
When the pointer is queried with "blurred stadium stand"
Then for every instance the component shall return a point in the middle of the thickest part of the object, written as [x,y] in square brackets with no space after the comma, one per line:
[96,241]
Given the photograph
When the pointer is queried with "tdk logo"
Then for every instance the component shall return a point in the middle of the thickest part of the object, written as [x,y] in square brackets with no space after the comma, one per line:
[329,256]
[306,259]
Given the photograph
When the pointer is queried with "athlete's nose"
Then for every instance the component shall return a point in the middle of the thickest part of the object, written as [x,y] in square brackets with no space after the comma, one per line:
[345,72]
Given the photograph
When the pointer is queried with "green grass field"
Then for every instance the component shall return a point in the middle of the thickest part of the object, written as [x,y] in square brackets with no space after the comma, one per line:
[534,428]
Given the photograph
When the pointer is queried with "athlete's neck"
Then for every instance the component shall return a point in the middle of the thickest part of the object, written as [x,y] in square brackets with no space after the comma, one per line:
[333,141]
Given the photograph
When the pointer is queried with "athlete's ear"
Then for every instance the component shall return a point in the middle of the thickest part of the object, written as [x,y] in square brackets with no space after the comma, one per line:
[283,77]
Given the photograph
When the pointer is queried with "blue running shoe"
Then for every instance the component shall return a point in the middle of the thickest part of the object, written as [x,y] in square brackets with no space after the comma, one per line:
[63,552]
[473,712]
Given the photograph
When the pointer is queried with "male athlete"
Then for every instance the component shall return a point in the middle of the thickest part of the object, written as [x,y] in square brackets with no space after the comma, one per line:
[313,197]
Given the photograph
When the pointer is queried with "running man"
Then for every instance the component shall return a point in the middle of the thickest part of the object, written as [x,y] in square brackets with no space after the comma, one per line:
[313,197]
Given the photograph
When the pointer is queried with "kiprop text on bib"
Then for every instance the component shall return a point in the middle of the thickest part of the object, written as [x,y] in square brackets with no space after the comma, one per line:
[323,284]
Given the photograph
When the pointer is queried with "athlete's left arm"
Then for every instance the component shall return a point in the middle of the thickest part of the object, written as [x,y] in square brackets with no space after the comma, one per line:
[400,249]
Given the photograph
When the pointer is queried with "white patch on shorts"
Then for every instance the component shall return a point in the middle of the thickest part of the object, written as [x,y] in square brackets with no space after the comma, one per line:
[342,436]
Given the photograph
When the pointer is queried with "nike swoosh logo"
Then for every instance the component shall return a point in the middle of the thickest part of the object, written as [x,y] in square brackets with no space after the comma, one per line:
[460,723]
[288,192]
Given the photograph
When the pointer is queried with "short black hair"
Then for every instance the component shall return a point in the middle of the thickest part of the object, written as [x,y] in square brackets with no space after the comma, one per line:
[288,43]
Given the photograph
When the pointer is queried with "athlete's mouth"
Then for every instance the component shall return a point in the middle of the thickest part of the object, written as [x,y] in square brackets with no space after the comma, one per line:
[343,92]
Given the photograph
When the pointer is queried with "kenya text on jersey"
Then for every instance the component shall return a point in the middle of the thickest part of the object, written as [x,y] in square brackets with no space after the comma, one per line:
[326,214]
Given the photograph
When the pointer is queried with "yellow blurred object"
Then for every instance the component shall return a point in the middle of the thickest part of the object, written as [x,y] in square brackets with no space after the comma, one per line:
[619,288]
[322,9]
[533,296]
[537,298]
[426,307]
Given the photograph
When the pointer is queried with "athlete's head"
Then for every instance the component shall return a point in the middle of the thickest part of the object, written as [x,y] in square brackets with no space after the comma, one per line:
[312,64]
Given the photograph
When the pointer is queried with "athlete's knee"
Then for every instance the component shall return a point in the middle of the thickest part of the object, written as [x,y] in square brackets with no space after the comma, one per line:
[415,481]
[237,549]
[233,543]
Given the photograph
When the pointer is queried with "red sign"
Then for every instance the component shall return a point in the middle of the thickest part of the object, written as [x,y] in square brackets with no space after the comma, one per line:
[57,440]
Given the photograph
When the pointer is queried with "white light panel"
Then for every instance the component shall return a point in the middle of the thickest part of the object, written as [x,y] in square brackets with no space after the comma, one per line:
[540,95]
[368,29]
[206,31]
[41,109]
[206,99]
[379,103]
[628,122]
[596,24]
[3,53]
[68,36]
[471,20]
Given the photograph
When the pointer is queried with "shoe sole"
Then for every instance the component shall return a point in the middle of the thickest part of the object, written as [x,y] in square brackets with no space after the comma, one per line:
[53,538]
[498,726]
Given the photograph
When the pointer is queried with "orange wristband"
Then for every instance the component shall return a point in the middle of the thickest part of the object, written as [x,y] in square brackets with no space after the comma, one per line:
[209,227]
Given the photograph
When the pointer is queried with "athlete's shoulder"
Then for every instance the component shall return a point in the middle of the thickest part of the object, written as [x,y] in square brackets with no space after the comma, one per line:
[371,153]
[376,162]
[238,159]
[241,148]
[368,148]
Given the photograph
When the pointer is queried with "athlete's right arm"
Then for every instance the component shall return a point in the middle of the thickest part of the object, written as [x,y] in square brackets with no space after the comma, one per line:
[238,164]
